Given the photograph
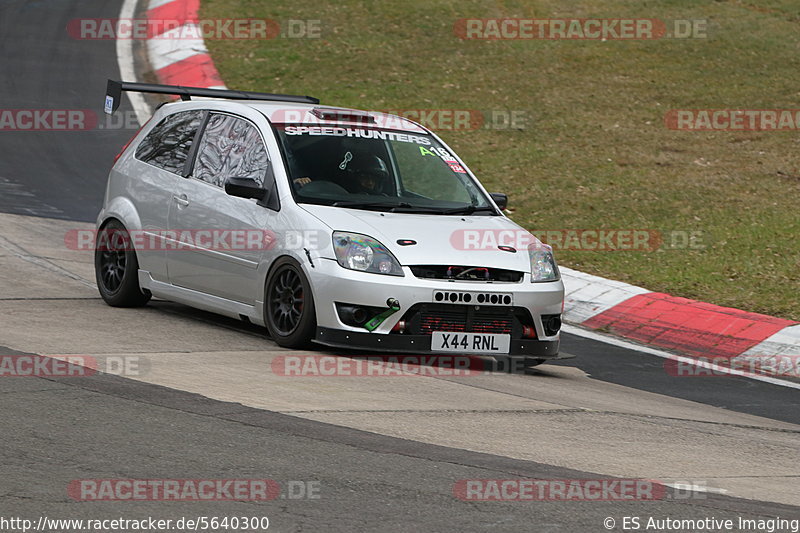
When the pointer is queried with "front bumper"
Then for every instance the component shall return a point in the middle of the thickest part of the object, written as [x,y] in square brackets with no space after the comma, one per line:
[331,284]
[422,344]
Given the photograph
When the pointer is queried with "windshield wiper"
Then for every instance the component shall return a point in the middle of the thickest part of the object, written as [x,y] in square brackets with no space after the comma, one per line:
[406,207]
[356,203]
[392,207]
[467,210]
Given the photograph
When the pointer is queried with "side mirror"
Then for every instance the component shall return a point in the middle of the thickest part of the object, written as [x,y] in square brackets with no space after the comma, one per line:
[500,199]
[245,188]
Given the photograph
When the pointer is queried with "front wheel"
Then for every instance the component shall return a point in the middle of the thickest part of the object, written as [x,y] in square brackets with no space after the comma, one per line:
[289,305]
[117,269]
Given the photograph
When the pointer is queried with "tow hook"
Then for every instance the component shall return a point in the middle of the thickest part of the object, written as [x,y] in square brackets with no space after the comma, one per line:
[373,323]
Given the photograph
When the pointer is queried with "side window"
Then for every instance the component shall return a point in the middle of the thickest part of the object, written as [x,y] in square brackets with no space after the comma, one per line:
[167,145]
[230,148]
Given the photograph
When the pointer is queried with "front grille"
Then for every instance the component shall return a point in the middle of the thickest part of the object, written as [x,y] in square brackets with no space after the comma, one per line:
[495,325]
[424,319]
[466,273]
[430,320]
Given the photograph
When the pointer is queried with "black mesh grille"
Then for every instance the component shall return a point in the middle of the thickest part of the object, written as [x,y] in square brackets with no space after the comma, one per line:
[424,319]
[466,273]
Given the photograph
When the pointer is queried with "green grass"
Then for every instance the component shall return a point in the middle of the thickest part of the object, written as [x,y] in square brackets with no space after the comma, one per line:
[595,152]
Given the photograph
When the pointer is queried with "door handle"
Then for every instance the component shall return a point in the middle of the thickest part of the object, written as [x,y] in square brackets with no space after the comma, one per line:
[181,200]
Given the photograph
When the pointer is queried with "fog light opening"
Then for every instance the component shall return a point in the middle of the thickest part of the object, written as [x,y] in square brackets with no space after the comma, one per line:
[353,315]
[360,315]
[552,324]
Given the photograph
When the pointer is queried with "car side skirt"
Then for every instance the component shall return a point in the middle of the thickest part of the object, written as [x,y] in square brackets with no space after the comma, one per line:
[206,302]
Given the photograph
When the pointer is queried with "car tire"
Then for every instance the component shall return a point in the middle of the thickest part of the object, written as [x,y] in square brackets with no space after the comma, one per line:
[289,310]
[117,268]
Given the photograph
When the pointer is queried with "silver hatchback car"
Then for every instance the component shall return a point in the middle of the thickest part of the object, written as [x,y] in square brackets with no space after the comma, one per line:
[348,228]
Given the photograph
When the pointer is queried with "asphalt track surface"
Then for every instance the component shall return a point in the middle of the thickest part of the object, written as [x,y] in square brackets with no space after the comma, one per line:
[109,427]
[58,430]
[57,174]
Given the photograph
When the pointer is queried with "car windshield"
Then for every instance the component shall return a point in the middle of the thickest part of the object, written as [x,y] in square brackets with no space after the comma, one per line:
[377,169]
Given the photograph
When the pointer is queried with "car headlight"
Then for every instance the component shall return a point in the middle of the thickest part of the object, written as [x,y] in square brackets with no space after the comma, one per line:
[359,252]
[543,265]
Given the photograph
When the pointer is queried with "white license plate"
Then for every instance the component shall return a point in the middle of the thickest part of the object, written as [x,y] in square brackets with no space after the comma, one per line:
[454,341]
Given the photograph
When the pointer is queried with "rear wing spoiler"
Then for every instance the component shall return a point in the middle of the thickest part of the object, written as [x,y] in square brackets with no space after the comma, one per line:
[114,93]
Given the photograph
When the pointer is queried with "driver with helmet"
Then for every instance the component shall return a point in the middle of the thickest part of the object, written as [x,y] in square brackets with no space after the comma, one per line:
[364,173]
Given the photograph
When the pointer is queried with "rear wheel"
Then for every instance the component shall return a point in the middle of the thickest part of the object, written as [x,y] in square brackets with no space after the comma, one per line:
[116,268]
[289,305]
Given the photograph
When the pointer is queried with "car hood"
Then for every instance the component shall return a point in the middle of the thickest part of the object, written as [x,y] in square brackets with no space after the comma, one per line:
[440,240]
